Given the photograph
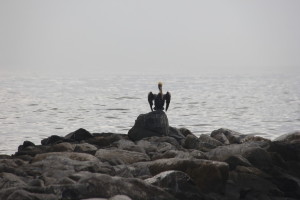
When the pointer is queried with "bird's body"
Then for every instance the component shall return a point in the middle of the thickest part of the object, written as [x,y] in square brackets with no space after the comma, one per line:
[159,99]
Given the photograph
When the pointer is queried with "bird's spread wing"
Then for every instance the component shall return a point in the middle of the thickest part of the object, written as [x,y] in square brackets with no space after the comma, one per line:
[168,99]
[150,99]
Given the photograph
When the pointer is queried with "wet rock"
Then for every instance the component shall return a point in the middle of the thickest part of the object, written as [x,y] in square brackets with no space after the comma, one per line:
[8,180]
[209,140]
[85,148]
[151,124]
[123,156]
[238,160]
[62,147]
[293,137]
[209,176]
[288,151]
[220,136]
[248,185]
[175,133]
[20,194]
[25,144]
[185,132]
[204,143]
[177,183]
[258,157]
[128,145]
[100,185]
[221,153]
[104,139]
[53,139]
[78,135]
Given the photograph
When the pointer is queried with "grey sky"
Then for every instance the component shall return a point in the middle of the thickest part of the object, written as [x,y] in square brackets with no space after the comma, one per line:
[149,36]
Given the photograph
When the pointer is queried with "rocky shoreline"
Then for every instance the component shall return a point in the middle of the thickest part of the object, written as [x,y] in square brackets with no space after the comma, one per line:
[154,161]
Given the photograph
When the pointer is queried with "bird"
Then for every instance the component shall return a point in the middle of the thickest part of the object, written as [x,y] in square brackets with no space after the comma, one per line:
[159,99]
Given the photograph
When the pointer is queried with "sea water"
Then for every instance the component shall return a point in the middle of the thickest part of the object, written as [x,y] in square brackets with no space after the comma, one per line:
[35,107]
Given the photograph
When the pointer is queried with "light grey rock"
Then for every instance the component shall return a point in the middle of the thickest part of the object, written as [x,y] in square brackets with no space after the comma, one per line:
[124,157]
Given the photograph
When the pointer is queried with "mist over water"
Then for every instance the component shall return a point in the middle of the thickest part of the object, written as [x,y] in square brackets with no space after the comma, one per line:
[35,107]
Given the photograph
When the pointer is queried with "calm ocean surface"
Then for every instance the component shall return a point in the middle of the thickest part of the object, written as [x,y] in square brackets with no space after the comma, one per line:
[33,108]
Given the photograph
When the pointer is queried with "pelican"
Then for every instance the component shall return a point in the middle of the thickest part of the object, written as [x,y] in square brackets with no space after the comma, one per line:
[159,99]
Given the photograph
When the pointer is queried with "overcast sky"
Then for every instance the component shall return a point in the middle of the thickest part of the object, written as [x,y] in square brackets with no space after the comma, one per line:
[98,36]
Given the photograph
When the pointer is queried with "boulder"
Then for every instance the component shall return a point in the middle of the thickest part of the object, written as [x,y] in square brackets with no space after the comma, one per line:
[8,180]
[237,160]
[221,153]
[185,132]
[104,139]
[204,143]
[293,137]
[25,144]
[177,183]
[119,156]
[258,157]
[78,135]
[53,139]
[209,176]
[175,133]
[94,185]
[151,124]
[85,148]
[219,135]
[62,147]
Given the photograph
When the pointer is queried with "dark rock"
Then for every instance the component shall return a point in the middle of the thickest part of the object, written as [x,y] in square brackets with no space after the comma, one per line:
[288,184]
[148,125]
[25,144]
[177,183]
[8,180]
[104,139]
[175,133]
[248,185]
[20,194]
[123,156]
[53,139]
[238,160]
[258,157]
[288,151]
[85,148]
[31,151]
[185,132]
[209,176]
[219,135]
[62,147]
[78,135]
[100,185]
[221,153]
[289,138]
[204,143]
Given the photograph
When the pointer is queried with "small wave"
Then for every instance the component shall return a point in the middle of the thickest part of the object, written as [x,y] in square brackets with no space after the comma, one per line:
[33,104]
[112,117]
[121,98]
[201,125]
[117,109]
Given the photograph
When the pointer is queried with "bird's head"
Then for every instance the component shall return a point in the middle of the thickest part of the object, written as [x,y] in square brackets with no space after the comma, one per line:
[160,85]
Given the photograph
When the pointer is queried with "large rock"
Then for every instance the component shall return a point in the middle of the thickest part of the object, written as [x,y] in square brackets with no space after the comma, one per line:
[209,176]
[151,124]
[121,156]
[289,138]
[221,153]
[104,186]
[227,136]
[78,135]
[177,183]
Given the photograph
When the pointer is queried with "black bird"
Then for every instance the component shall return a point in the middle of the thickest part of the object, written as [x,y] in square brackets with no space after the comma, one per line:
[159,99]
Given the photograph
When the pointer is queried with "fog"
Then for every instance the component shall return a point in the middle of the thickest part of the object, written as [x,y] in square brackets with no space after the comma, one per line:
[149,37]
